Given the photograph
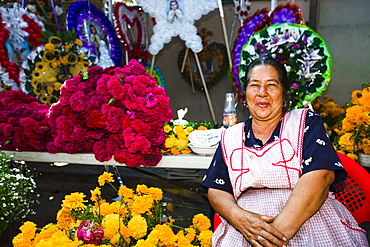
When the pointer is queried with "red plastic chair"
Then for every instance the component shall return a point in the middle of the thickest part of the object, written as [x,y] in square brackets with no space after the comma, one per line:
[354,192]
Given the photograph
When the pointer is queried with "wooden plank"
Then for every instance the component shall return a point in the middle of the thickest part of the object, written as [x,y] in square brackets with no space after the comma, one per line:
[188,161]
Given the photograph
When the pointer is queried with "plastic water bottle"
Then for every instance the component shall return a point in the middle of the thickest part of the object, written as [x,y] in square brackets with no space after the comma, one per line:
[229,116]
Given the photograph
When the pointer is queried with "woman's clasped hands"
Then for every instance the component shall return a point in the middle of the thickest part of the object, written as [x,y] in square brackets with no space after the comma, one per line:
[258,230]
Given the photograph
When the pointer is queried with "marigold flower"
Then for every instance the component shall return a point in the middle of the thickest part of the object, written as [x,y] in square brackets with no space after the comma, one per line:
[95,194]
[142,205]
[138,227]
[156,193]
[125,192]
[78,42]
[205,238]
[74,201]
[201,222]
[49,46]
[105,177]
[142,189]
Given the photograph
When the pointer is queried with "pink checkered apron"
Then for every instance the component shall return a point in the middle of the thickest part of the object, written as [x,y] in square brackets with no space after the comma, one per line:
[267,177]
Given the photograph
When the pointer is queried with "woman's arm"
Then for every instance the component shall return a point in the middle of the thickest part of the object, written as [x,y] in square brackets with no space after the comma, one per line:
[251,225]
[307,197]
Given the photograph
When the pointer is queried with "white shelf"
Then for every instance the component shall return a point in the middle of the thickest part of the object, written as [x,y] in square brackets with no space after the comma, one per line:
[187,161]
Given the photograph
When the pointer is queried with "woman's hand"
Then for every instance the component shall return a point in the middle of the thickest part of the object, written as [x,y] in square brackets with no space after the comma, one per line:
[254,227]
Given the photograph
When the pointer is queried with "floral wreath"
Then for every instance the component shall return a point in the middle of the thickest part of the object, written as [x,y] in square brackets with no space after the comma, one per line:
[125,15]
[242,8]
[286,12]
[157,74]
[18,27]
[49,66]
[304,53]
[80,13]
[212,50]
[213,59]
[165,28]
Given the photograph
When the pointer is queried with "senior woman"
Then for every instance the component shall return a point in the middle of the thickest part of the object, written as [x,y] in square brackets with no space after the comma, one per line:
[271,177]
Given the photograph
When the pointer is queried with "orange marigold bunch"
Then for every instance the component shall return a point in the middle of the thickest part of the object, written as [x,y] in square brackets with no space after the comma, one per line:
[354,131]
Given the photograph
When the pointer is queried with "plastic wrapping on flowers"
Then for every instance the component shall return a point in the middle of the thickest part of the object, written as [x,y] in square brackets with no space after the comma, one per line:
[113,112]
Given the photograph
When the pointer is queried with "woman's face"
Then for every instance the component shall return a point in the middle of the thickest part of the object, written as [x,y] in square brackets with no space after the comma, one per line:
[173,5]
[264,93]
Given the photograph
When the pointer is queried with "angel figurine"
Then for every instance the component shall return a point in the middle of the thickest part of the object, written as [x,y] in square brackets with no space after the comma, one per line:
[180,114]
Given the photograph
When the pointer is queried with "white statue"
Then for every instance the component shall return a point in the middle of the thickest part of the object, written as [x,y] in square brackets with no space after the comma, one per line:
[180,114]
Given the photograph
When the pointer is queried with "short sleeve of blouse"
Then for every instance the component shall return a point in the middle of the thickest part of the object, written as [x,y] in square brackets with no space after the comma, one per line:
[318,151]
[217,176]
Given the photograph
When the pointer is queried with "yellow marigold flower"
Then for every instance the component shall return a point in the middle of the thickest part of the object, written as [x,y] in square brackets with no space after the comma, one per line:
[46,233]
[142,204]
[57,86]
[186,151]
[182,135]
[110,224]
[167,128]
[189,129]
[125,192]
[105,177]
[352,156]
[95,194]
[162,235]
[74,201]
[138,227]
[141,189]
[175,151]
[190,233]
[202,128]
[347,143]
[356,115]
[170,142]
[66,48]
[49,46]
[201,222]
[205,238]
[347,125]
[156,193]
[182,240]
[78,42]
[178,129]
[64,219]
[105,209]
[143,243]
[50,90]
[20,241]
[55,64]
[28,230]
[356,94]
[64,60]
[182,144]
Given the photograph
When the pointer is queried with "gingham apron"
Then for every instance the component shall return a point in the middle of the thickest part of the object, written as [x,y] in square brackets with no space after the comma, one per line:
[262,181]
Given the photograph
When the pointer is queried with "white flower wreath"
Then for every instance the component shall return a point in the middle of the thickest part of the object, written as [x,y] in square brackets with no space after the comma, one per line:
[176,21]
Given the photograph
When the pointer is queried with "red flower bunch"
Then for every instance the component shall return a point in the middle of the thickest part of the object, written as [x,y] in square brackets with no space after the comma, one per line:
[113,112]
[23,122]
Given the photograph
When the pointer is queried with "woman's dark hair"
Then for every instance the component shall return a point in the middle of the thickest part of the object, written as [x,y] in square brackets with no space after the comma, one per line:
[279,67]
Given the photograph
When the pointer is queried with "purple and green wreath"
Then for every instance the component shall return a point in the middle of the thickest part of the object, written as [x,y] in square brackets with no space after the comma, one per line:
[304,53]
[80,14]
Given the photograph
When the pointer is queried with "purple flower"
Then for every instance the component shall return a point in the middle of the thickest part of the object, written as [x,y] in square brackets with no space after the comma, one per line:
[295,85]
[89,234]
